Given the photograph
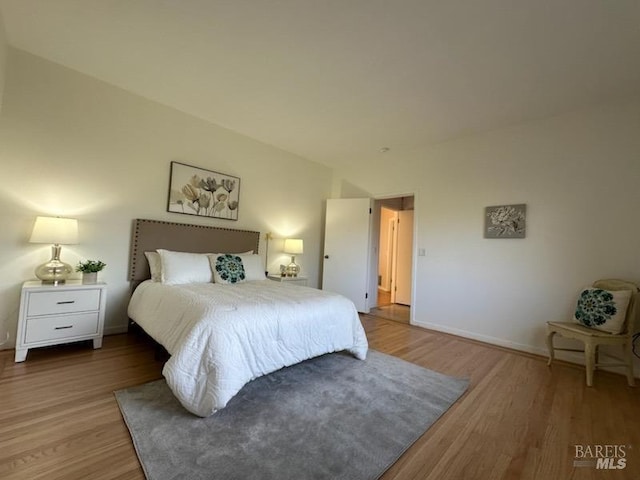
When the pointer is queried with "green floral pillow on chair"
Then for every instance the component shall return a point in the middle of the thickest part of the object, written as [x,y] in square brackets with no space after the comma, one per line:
[603,309]
[228,269]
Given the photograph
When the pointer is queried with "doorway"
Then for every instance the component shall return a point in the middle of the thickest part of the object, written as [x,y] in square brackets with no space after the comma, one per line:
[395,258]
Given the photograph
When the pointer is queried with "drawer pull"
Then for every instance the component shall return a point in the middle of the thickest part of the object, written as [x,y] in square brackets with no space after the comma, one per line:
[66,302]
[63,328]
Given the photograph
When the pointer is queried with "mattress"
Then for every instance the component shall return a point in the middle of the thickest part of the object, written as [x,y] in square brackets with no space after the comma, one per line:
[222,336]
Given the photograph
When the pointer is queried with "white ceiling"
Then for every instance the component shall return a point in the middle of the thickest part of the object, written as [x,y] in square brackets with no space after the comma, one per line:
[336,80]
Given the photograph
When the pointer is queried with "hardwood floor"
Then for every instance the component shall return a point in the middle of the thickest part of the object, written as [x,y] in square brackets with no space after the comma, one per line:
[391,311]
[395,312]
[384,297]
[59,417]
[518,420]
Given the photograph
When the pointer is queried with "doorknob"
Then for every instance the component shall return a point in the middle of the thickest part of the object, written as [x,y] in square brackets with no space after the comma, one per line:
[326,256]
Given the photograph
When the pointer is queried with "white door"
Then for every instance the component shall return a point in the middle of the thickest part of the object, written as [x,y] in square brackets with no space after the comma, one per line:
[404,261]
[346,249]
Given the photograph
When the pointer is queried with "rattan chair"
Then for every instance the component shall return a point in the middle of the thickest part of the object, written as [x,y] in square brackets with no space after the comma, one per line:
[593,338]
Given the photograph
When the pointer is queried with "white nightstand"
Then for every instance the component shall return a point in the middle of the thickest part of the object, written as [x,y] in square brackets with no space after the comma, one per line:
[289,280]
[50,315]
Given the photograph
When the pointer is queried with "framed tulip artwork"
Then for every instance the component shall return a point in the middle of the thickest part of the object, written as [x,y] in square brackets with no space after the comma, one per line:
[196,191]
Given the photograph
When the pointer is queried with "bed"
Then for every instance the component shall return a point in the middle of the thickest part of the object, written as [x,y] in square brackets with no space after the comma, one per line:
[221,336]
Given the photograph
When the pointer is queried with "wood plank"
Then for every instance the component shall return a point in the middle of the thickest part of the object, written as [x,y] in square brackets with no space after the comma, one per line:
[518,420]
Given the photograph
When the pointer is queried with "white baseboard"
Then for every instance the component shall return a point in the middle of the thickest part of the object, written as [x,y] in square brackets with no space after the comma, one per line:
[575,358]
[483,338]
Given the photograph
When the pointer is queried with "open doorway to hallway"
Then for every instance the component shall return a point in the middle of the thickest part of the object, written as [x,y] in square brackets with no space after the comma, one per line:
[395,258]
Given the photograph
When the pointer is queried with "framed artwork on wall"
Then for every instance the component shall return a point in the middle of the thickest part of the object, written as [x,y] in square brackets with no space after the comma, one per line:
[505,221]
[201,192]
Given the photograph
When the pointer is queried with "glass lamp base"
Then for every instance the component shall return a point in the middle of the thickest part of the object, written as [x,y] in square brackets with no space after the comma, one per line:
[293,269]
[54,272]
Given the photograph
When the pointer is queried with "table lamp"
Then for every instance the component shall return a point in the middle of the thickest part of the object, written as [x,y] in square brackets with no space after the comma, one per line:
[293,246]
[58,231]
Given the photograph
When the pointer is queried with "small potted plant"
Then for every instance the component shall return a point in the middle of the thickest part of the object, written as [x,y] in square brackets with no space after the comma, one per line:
[90,270]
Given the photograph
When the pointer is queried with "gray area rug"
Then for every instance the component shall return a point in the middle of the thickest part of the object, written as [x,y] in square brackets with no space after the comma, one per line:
[331,417]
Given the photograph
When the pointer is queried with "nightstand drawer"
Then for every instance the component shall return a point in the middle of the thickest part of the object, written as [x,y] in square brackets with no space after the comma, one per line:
[67,301]
[62,326]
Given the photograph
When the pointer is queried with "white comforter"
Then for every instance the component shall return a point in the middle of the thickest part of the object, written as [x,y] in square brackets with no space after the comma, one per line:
[222,336]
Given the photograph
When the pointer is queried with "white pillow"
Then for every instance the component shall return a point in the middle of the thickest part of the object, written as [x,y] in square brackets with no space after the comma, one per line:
[183,267]
[155,265]
[602,309]
[253,266]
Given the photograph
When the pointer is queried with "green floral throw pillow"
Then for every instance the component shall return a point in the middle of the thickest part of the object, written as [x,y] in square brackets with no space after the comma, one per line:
[228,269]
[602,309]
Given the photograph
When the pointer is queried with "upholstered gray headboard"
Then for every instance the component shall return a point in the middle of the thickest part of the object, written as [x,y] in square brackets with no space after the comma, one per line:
[149,235]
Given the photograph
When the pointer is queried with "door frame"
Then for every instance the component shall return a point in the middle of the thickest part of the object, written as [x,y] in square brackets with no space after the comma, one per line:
[390,234]
[374,250]
[394,258]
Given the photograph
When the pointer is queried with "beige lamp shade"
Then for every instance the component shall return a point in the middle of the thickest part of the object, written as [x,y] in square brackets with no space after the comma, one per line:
[56,230]
[293,246]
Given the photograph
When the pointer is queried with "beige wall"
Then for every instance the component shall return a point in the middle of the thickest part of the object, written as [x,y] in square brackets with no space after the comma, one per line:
[579,175]
[74,146]
[4,47]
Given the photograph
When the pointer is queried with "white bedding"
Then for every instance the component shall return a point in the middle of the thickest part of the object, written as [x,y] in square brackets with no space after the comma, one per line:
[222,336]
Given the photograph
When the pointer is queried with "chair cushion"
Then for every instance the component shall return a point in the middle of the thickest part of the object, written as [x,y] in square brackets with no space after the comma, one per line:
[604,310]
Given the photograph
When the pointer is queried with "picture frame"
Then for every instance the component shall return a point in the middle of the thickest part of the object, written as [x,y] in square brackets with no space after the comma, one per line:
[203,193]
[505,221]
